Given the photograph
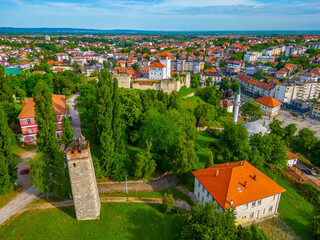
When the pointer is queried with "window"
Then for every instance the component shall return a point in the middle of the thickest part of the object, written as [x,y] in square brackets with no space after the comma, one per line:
[270,209]
[202,200]
[259,202]
[202,188]
[253,204]
[246,206]
[29,121]
[274,197]
[199,184]
[30,130]
[207,194]
[198,194]
[251,215]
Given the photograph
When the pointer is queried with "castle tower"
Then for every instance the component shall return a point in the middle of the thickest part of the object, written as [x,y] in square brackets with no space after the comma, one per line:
[236,106]
[83,180]
[165,60]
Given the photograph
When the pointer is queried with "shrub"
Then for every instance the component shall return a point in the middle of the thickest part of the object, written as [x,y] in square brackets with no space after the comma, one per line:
[167,203]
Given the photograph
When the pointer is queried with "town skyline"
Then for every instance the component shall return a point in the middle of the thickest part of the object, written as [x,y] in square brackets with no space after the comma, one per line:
[163,15]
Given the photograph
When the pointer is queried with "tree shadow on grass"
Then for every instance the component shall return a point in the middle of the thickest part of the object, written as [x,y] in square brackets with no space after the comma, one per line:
[150,223]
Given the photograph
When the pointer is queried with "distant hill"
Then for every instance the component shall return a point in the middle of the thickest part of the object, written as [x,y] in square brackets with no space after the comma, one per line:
[132,31]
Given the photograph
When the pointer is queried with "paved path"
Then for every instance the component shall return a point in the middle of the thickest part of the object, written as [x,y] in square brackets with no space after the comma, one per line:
[189,194]
[18,203]
[24,179]
[75,122]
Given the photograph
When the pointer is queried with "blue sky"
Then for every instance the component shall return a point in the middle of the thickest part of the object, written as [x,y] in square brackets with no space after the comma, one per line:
[181,15]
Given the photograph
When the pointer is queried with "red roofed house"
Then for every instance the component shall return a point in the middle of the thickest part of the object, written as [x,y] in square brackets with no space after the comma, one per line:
[269,105]
[27,117]
[293,159]
[228,105]
[161,70]
[241,186]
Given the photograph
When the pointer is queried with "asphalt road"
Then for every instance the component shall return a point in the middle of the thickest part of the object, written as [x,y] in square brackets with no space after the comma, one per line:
[75,122]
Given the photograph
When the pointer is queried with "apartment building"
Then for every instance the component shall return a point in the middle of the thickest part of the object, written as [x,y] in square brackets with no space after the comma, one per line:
[251,57]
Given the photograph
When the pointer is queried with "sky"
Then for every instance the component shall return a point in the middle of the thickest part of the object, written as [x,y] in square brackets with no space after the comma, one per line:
[176,15]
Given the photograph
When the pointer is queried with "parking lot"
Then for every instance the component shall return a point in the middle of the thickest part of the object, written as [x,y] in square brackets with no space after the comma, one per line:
[287,118]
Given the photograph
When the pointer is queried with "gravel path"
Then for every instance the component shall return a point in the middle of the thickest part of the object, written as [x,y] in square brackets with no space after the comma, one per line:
[18,203]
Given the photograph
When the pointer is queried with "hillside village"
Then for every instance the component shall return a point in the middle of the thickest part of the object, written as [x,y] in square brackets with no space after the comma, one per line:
[222,130]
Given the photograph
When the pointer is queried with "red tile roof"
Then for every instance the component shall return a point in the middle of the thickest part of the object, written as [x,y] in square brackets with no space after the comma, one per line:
[165,54]
[238,181]
[58,102]
[157,65]
[268,101]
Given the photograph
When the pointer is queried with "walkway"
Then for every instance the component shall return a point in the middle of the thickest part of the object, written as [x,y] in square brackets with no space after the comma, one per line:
[18,203]
[66,203]
[189,194]
[75,122]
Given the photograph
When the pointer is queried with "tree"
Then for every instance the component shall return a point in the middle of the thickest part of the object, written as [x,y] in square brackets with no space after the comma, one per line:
[205,110]
[210,95]
[276,128]
[145,165]
[207,223]
[195,81]
[46,120]
[251,233]
[315,154]
[167,203]
[76,66]
[185,157]
[131,106]
[233,143]
[251,110]
[225,84]
[289,132]
[8,169]
[315,225]
[271,147]
[304,141]
[235,86]
[209,81]
[67,131]
[6,94]
[209,161]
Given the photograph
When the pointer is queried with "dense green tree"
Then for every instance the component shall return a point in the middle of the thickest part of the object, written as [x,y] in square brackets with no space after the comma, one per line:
[210,95]
[131,106]
[145,165]
[209,161]
[235,86]
[67,131]
[271,147]
[46,120]
[167,203]
[185,157]
[315,225]
[6,94]
[276,128]
[8,169]
[251,233]
[225,84]
[195,81]
[209,81]
[205,110]
[233,143]
[206,222]
[304,141]
[251,111]
[289,132]
[315,153]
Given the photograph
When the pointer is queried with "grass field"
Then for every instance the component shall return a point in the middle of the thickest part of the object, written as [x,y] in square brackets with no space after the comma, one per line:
[203,141]
[294,209]
[184,91]
[117,221]
[190,102]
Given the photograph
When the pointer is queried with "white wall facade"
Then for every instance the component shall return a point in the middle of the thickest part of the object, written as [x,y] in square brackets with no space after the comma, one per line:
[156,73]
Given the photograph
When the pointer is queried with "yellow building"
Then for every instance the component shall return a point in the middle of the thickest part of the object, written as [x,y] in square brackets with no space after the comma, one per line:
[316,111]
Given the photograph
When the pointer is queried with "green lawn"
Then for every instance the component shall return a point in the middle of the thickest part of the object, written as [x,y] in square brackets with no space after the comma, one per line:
[190,102]
[184,91]
[4,199]
[117,221]
[294,209]
[203,141]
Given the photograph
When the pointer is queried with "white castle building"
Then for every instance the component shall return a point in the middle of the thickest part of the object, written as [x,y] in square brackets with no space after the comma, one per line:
[161,70]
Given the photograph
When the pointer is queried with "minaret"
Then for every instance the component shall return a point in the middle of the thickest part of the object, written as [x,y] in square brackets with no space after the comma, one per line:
[236,106]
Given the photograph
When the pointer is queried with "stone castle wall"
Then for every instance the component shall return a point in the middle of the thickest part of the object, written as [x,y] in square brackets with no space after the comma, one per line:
[83,183]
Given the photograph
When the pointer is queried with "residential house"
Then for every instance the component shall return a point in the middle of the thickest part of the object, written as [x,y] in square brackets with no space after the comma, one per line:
[292,159]
[27,121]
[251,57]
[269,105]
[241,186]
[62,56]
[228,105]
[233,67]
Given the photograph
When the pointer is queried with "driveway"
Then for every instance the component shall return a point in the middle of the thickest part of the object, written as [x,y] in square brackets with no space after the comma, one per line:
[75,122]
[24,179]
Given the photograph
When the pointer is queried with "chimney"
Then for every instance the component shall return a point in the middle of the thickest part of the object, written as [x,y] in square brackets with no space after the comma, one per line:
[217,173]
[227,164]
[241,163]
[231,202]
[245,184]
[255,177]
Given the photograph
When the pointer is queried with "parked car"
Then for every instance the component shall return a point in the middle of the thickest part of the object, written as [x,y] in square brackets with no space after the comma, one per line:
[70,119]
[25,171]
[307,171]
[293,113]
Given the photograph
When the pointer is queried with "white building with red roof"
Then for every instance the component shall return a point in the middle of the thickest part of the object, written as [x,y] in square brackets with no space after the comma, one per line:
[269,105]
[241,186]
[162,69]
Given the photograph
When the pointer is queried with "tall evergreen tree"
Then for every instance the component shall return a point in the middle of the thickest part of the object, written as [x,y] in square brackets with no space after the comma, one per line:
[6,94]
[209,162]
[117,128]
[46,120]
[8,169]
[67,131]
